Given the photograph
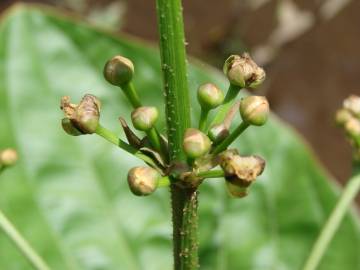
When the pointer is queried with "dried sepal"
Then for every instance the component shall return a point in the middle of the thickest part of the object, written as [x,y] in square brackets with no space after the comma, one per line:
[83,117]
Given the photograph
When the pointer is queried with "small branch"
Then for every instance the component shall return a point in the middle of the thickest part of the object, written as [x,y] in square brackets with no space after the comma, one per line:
[212,174]
[131,94]
[112,138]
[231,94]
[203,120]
[231,138]
[24,247]
[154,139]
[333,223]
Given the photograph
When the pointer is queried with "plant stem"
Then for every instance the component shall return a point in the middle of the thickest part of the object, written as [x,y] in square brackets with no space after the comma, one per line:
[173,62]
[131,94]
[333,223]
[232,137]
[231,94]
[112,138]
[211,174]
[203,120]
[24,247]
[154,139]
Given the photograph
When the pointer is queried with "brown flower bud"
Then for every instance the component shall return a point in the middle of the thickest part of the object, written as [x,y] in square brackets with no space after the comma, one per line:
[196,143]
[242,71]
[82,118]
[143,180]
[119,70]
[242,170]
[8,157]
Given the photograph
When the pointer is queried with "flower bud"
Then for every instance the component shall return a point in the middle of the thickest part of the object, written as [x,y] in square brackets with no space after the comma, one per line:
[144,118]
[119,70]
[352,104]
[8,157]
[352,127]
[143,180]
[209,96]
[236,190]
[69,128]
[241,170]
[218,133]
[254,110]
[242,71]
[342,117]
[82,118]
[196,143]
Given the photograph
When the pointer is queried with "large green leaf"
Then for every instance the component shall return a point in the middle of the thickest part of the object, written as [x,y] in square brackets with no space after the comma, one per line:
[69,196]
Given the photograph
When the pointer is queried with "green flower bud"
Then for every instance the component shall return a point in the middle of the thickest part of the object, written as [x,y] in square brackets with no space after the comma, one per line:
[218,133]
[196,143]
[144,118]
[143,180]
[119,70]
[342,117]
[209,96]
[236,190]
[243,72]
[352,104]
[8,157]
[82,118]
[254,110]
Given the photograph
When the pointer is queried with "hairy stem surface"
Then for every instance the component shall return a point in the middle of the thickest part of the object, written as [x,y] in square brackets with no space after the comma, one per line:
[332,224]
[173,61]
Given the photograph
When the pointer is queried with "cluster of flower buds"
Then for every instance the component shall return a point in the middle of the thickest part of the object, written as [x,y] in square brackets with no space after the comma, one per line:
[205,147]
[348,117]
[8,158]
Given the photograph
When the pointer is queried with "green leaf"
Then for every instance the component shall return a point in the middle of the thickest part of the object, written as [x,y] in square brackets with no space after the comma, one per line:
[69,195]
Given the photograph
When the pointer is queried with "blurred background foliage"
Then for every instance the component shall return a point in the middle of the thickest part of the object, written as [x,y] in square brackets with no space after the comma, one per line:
[66,200]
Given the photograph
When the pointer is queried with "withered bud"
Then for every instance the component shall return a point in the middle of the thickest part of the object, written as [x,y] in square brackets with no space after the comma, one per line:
[144,118]
[342,117]
[196,143]
[119,70]
[143,180]
[209,96]
[218,133]
[82,118]
[254,110]
[8,157]
[236,190]
[242,170]
[352,104]
[243,72]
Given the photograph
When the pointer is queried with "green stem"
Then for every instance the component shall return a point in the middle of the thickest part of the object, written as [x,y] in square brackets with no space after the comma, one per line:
[229,99]
[112,138]
[154,139]
[203,120]
[333,223]
[173,62]
[164,182]
[212,174]
[24,247]
[131,94]
[232,137]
